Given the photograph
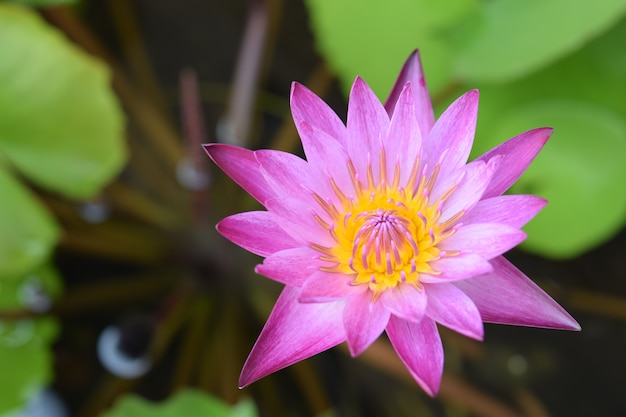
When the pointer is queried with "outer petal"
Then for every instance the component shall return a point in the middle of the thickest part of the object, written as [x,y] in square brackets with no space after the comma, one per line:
[293,332]
[364,321]
[297,219]
[412,72]
[306,106]
[406,302]
[518,153]
[454,268]
[451,138]
[241,165]
[419,347]
[257,232]
[367,127]
[451,307]
[404,141]
[484,239]
[512,210]
[507,296]
[290,266]
[288,175]
[322,287]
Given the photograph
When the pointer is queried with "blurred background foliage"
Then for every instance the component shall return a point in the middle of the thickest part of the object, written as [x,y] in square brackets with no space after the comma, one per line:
[117,295]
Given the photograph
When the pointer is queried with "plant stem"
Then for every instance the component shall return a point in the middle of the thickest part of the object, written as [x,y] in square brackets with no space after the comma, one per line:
[190,351]
[234,127]
[113,292]
[135,54]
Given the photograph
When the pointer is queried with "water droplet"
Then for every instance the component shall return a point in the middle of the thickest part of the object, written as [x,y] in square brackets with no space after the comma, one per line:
[190,177]
[117,358]
[45,403]
[517,365]
[34,296]
[16,333]
[95,212]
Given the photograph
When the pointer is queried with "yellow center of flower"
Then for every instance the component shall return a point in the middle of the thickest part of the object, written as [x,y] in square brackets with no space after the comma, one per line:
[386,234]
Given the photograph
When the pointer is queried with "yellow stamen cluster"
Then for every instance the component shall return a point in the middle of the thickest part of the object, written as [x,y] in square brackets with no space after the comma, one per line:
[386,234]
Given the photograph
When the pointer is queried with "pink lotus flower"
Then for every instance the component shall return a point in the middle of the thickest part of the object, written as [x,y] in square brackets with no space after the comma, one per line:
[386,227]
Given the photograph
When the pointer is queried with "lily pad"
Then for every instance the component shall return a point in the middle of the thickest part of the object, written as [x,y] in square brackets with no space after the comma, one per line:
[372,39]
[60,125]
[581,169]
[25,360]
[33,291]
[187,402]
[42,3]
[510,38]
[25,354]
[581,172]
[27,232]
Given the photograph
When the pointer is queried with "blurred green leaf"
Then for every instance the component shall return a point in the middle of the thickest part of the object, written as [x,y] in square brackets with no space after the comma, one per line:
[25,360]
[60,124]
[373,39]
[42,3]
[25,354]
[31,289]
[580,171]
[187,403]
[511,38]
[27,232]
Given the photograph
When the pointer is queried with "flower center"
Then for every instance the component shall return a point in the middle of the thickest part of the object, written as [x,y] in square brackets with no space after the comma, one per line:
[383,243]
[386,234]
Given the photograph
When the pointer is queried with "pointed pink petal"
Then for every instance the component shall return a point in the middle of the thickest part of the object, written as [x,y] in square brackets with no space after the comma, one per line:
[412,72]
[404,141]
[451,138]
[290,266]
[322,287]
[307,106]
[327,158]
[257,232]
[469,190]
[512,210]
[287,174]
[462,266]
[406,302]
[241,165]
[364,321]
[449,306]
[517,153]
[484,239]
[507,296]
[419,347]
[367,127]
[297,219]
[293,332]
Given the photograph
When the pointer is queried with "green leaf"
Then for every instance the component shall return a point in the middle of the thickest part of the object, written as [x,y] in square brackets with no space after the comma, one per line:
[511,38]
[42,3]
[35,290]
[187,402]
[27,232]
[25,360]
[60,124]
[581,172]
[582,97]
[373,39]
